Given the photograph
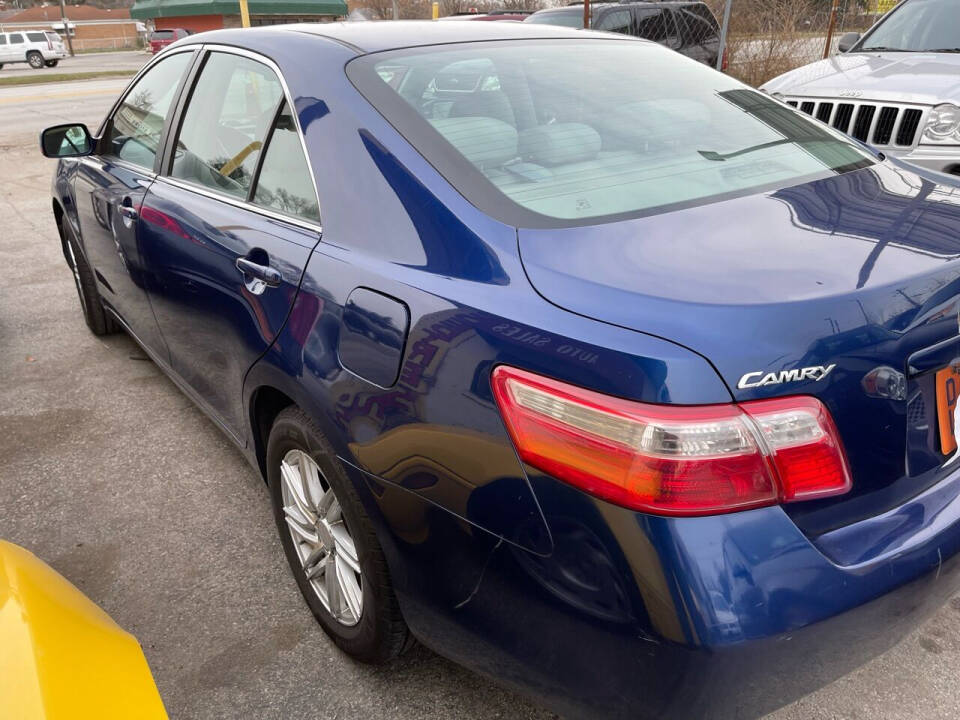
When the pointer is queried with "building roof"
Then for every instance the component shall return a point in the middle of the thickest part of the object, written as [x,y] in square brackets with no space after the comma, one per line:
[148,9]
[51,13]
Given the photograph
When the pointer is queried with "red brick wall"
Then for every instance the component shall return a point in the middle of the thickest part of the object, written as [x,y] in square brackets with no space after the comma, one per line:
[196,23]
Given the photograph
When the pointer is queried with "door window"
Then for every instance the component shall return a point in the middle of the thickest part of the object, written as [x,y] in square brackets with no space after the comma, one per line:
[226,122]
[619,21]
[16,39]
[284,183]
[698,29]
[37,37]
[657,24]
[133,133]
[3,39]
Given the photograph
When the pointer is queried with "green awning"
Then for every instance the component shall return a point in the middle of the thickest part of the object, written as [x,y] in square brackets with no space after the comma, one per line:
[149,9]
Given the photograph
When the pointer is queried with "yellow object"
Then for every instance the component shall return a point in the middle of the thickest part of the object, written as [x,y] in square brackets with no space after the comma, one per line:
[884,6]
[60,655]
[436,10]
[244,14]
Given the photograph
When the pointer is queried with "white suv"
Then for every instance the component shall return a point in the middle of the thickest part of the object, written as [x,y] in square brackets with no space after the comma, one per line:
[37,47]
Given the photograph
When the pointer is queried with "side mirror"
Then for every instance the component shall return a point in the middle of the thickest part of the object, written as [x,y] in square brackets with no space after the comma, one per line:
[62,141]
[847,41]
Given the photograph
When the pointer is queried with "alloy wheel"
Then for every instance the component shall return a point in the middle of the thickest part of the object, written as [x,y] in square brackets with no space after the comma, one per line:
[327,552]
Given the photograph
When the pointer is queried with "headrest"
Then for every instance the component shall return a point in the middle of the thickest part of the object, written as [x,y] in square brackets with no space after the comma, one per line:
[559,143]
[484,141]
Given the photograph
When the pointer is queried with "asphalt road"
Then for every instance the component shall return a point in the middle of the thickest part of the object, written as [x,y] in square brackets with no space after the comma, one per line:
[87,62]
[111,475]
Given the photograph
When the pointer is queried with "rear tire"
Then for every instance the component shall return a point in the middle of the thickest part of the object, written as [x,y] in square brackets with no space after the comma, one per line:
[380,633]
[97,319]
[51,63]
[35,60]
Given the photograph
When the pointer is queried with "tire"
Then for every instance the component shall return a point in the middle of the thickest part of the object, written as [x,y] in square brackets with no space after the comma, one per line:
[380,633]
[97,319]
[1,66]
[35,60]
[51,63]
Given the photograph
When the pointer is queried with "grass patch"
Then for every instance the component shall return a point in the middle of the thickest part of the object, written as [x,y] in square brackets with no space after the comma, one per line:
[48,77]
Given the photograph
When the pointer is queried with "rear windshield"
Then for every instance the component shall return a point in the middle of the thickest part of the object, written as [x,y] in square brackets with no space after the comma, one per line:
[567,18]
[162,35]
[553,133]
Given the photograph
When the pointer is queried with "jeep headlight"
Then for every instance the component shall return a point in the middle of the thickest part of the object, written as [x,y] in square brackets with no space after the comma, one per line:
[943,125]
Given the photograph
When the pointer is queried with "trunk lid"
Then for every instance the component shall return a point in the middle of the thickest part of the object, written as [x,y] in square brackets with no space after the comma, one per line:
[848,274]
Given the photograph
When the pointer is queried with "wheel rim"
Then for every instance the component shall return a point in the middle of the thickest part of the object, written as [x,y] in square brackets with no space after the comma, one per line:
[325,547]
[36,61]
[76,278]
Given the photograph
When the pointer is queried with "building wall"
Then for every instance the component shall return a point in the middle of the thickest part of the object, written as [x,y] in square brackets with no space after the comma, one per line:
[194,23]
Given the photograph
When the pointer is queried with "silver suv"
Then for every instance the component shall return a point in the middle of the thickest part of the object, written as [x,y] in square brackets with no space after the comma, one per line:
[896,88]
[39,48]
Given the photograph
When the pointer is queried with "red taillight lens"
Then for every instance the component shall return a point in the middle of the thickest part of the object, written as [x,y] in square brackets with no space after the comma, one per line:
[725,63]
[673,460]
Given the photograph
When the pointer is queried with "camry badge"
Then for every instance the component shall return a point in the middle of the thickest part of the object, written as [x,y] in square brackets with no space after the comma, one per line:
[760,379]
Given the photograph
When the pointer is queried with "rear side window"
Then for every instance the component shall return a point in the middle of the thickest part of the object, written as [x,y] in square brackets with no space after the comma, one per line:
[564,18]
[284,183]
[133,132]
[16,39]
[698,30]
[619,21]
[657,24]
[37,37]
[225,124]
[553,146]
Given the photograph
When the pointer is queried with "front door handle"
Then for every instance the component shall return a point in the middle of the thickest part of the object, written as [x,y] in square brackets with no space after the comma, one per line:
[264,273]
[130,213]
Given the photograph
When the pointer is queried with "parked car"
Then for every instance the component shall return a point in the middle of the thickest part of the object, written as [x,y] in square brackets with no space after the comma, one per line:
[37,48]
[63,657]
[517,15]
[687,27]
[894,88]
[595,370]
[159,39]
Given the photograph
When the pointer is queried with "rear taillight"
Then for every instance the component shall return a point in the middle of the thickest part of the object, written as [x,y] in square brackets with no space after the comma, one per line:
[725,62]
[673,459]
[49,44]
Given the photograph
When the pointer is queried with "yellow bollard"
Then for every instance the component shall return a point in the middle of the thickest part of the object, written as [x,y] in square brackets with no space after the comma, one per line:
[244,14]
[436,10]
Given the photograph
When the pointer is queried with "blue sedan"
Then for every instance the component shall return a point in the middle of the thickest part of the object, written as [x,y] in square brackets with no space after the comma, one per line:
[586,366]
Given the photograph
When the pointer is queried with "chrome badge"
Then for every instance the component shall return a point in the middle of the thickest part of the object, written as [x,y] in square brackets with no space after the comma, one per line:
[761,379]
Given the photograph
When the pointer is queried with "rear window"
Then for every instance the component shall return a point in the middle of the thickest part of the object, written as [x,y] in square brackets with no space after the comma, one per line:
[566,18]
[162,35]
[36,37]
[553,133]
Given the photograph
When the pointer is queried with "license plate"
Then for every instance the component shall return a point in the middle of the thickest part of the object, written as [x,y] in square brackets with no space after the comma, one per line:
[948,389]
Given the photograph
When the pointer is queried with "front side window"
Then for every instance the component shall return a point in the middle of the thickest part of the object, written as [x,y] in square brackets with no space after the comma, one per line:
[917,26]
[284,183]
[586,129]
[230,111]
[133,133]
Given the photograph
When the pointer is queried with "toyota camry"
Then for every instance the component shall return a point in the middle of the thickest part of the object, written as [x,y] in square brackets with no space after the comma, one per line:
[586,366]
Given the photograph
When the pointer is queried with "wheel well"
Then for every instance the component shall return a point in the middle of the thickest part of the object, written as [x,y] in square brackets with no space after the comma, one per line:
[58,216]
[267,402]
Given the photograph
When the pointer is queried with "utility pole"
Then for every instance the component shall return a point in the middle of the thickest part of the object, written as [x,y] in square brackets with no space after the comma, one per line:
[723,34]
[396,10]
[66,26]
[586,14]
[833,22]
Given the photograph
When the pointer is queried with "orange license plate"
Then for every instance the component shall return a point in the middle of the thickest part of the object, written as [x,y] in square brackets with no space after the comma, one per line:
[948,389]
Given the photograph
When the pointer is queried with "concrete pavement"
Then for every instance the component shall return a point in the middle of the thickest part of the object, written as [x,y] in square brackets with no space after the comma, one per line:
[110,474]
[87,62]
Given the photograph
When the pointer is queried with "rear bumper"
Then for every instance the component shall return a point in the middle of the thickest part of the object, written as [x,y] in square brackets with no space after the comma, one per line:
[648,617]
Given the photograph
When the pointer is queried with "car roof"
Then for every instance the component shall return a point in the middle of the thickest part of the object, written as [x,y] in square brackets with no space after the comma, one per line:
[366,37]
[634,3]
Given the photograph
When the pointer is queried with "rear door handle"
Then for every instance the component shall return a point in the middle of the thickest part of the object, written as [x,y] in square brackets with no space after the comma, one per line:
[130,213]
[266,274]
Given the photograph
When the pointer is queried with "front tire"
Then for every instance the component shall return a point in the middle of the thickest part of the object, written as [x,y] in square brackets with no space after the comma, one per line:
[51,63]
[35,60]
[97,319]
[330,542]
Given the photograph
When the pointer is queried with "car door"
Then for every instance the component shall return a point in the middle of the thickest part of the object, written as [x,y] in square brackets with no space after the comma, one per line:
[110,186]
[4,48]
[16,48]
[228,229]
